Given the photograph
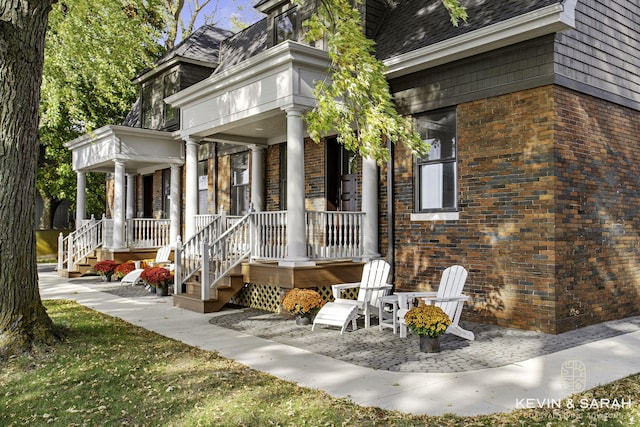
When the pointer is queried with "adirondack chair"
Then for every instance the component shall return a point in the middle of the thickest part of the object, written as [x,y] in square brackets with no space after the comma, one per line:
[342,311]
[449,298]
[161,260]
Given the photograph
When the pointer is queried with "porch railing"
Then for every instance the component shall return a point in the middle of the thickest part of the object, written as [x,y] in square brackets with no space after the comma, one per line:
[334,235]
[189,253]
[79,244]
[223,254]
[269,235]
[148,233]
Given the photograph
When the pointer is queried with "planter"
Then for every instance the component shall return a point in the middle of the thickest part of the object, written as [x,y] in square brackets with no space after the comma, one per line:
[152,289]
[105,278]
[162,292]
[429,345]
[303,319]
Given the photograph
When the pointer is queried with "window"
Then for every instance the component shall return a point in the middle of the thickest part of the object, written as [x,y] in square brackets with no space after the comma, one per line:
[166,193]
[147,107]
[286,26]
[203,186]
[436,173]
[239,183]
[170,86]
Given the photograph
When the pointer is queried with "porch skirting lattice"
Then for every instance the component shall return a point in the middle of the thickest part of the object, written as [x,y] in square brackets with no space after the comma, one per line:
[269,298]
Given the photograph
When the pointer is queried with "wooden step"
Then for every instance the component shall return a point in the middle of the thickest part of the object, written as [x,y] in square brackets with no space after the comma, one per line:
[226,288]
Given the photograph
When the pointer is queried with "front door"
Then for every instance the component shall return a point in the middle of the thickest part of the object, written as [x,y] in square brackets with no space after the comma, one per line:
[341,177]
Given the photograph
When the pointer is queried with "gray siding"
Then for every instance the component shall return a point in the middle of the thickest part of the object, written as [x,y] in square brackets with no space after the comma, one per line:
[517,67]
[601,56]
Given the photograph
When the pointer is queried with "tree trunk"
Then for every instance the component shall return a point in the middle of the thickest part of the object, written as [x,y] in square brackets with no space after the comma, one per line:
[49,206]
[23,319]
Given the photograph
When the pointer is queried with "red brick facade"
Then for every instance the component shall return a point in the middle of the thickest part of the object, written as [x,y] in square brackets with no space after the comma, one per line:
[547,212]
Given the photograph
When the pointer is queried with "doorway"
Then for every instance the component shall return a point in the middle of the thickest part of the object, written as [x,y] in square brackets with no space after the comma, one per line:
[341,177]
[147,196]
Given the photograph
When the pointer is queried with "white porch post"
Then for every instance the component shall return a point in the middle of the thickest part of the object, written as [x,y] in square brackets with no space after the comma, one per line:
[370,207]
[296,222]
[81,197]
[131,202]
[118,205]
[257,177]
[174,214]
[191,184]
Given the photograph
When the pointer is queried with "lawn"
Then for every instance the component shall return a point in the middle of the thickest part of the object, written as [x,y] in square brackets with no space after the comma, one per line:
[108,372]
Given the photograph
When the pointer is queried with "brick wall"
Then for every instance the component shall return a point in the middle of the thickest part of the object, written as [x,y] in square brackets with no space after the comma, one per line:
[223,182]
[505,232]
[272,184]
[598,209]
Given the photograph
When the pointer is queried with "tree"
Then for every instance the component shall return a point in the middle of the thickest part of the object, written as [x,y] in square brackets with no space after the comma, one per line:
[23,319]
[93,49]
[176,27]
[356,101]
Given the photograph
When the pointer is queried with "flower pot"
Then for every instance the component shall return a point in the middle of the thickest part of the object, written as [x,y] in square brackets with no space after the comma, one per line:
[429,344]
[152,289]
[303,319]
[105,278]
[162,292]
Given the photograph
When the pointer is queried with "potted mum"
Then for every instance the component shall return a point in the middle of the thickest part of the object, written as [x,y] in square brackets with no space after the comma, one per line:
[429,322]
[158,279]
[105,269]
[124,269]
[303,303]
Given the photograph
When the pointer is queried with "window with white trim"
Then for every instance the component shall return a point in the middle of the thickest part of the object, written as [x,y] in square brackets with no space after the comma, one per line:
[436,173]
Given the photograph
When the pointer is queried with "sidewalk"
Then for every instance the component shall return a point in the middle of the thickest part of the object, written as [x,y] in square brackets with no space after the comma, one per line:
[473,392]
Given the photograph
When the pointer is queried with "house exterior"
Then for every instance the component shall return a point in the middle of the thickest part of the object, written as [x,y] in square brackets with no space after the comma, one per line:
[532,109]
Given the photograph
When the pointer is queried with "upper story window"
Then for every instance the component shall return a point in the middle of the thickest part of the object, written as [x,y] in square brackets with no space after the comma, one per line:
[171,85]
[286,26]
[436,173]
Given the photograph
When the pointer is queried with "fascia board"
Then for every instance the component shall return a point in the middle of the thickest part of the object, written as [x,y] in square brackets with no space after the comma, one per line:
[551,19]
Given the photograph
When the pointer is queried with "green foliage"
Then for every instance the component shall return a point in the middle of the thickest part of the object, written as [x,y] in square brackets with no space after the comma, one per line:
[93,49]
[356,101]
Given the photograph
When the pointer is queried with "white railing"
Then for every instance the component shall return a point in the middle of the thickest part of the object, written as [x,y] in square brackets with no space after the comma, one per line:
[189,253]
[334,235]
[269,235]
[223,254]
[148,232]
[79,244]
[204,220]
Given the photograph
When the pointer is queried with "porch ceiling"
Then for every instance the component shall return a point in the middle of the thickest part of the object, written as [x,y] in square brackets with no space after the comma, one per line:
[140,149]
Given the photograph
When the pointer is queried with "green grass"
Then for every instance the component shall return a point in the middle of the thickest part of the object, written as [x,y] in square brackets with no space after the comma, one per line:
[108,372]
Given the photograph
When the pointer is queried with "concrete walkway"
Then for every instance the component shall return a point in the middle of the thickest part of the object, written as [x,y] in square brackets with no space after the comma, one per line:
[474,392]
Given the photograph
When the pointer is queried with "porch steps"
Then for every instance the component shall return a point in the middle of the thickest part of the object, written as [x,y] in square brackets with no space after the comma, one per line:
[84,267]
[225,289]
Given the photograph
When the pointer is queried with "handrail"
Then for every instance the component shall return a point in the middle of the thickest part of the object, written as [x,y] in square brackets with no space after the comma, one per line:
[79,244]
[226,252]
[270,235]
[188,255]
[148,232]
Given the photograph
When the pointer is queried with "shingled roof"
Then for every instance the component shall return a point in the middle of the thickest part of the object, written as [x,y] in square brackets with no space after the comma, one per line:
[243,45]
[413,24]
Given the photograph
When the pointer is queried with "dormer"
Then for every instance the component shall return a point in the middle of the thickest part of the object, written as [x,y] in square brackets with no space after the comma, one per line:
[285,20]
[191,61]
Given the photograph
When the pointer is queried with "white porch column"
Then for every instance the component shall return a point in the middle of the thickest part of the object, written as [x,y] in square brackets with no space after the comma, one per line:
[191,184]
[257,177]
[296,223]
[174,213]
[81,197]
[370,207]
[118,205]
[131,201]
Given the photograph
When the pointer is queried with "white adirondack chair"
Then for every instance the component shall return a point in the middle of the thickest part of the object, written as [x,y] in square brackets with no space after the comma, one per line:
[161,260]
[449,298]
[372,287]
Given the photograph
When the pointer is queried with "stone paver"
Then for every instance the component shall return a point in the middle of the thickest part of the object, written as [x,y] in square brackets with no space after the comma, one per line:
[493,347]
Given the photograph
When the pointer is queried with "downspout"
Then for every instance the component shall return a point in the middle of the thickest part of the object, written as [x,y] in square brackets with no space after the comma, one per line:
[390,211]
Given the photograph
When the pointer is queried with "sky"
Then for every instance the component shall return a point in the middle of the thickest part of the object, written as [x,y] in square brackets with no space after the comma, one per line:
[244,8]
